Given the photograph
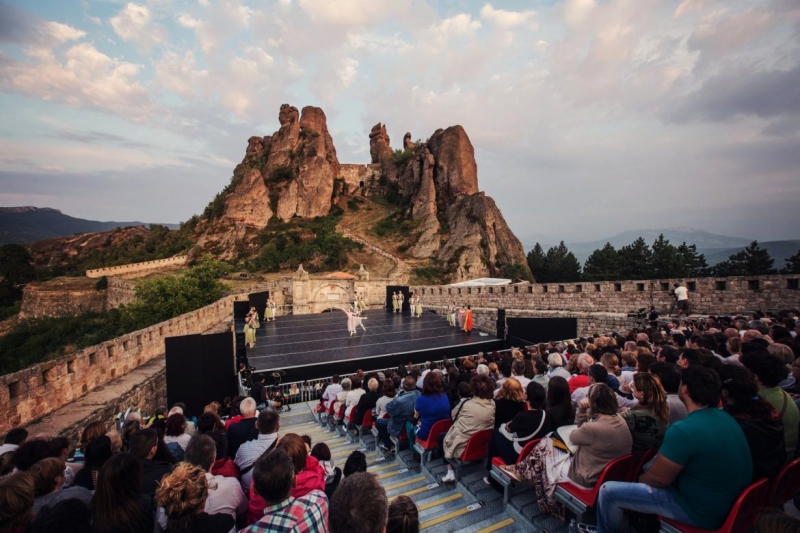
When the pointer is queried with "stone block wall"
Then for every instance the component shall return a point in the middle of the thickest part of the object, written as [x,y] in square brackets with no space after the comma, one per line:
[707,295]
[31,393]
[355,175]
[136,267]
[120,292]
[50,300]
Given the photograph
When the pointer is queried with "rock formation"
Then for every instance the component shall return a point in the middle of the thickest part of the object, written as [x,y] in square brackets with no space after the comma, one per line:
[408,144]
[379,147]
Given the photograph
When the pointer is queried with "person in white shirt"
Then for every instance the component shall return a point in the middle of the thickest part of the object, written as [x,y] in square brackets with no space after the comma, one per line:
[556,363]
[331,391]
[682,295]
[353,396]
[517,371]
[268,424]
[225,495]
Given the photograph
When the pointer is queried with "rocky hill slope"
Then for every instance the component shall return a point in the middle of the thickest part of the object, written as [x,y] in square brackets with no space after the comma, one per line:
[432,186]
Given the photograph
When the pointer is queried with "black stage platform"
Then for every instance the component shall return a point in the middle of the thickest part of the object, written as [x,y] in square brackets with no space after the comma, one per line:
[313,346]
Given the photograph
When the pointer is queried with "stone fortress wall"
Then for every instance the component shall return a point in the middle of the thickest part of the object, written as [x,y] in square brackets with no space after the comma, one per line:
[72,296]
[358,177]
[134,268]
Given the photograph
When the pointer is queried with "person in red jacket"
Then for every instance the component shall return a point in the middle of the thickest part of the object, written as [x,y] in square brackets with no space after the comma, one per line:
[309,475]
[581,379]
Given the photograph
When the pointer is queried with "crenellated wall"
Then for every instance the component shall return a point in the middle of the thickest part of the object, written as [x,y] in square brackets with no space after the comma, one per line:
[707,295]
[358,177]
[33,392]
[136,267]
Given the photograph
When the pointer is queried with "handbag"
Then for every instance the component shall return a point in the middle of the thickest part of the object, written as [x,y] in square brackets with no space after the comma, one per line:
[515,439]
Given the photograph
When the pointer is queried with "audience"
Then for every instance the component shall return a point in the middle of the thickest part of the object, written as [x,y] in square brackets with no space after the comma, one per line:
[348,513]
[560,410]
[403,516]
[183,495]
[267,426]
[143,446]
[356,462]
[648,419]
[245,429]
[48,476]
[119,505]
[509,401]
[431,406]
[389,392]
[97,452]
[400,411]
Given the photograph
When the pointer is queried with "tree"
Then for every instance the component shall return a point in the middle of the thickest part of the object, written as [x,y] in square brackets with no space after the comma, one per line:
[694,264]
[752,261]
[636,260]
[792,264]
[666,262]
[15,270]
[602,265]
[535,260]
[560,265]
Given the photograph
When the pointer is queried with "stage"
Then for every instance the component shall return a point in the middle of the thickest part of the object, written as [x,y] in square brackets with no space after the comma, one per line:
[319,345]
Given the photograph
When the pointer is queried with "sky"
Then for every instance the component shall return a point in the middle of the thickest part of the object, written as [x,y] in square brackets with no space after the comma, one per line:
[588,117]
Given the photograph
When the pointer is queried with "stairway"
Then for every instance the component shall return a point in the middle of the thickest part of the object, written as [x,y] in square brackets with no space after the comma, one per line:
[469,506]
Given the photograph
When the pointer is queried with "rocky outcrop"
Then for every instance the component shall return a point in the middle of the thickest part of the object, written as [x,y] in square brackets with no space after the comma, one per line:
[61,250]
[408,144]
[456,170]
[380,148]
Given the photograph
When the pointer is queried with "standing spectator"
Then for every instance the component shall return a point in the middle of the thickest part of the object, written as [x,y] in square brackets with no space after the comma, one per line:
[403,516]
[245,429]
[760,422]
[269,422]
[649,418]
[469,417]
[359,504]
[16,502]
[48,476]
[431,406]
[183,495]
[119,506]
[98,452]
[143,445]
[682,299]
[273,479]
[770,371]
[225,495]
[691,479]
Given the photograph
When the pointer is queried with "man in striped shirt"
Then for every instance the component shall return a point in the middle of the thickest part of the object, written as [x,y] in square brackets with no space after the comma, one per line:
[268,423]
[273,479]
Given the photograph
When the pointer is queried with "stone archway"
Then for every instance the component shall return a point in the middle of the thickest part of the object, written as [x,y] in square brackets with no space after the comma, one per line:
[329,294]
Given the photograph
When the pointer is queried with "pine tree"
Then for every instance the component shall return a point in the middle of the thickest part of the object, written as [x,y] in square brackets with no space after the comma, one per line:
[636,260]
[560,265]
[694,264]
[752,261]
[602,265]
[535,260]
[666,262]
[792,264]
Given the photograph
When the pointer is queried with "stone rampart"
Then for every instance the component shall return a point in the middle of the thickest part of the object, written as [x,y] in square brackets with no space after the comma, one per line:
[60,298]
[120,292]
[133,268]
[707,295]
[358,177]
[33,392]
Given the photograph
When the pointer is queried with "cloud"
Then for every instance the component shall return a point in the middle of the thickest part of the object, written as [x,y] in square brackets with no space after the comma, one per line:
[134,23]
[508,19]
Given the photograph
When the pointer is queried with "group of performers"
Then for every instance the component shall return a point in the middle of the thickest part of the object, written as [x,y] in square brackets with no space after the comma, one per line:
[460,317]
[416,306]
[252,321]
[397,302]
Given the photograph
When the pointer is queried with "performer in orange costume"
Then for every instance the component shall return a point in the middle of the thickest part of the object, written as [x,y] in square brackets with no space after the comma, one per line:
[468,320]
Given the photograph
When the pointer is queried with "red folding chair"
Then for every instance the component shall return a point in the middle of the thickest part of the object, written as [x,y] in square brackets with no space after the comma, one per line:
[502,477]
[342,429]
[477,448]
[636,471]
[742,515]
[786,482]
[579,500]
[424,447]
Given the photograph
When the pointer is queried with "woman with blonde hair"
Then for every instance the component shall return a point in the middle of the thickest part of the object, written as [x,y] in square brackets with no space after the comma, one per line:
[510,401]
[183,495]
[648,420]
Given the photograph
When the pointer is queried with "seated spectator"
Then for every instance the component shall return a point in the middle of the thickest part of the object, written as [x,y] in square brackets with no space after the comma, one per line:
[540,373]
[128,429]
[670,377]
[601,437]
[143,446]
[611,363]
[353,395]
[560,410]
[234,414]
[209,421]
[667,354]
[518,372]
[119,506]
[760,421]
[97,453]
[431,406]
[309,475]
[66,516]
[356,462]
[225,495]
[333,474]
[269,422]
[389,394]
[273,479]
[509,401]
[16,502]
[598,374]
[180,408]
[403,516]
[329,395]
[30,452]
[183,495]
[341,396]
[509,439]
[649,418]
[400,410]
[245,429]
[13,439]
[367,402]
[116,441]
[6,464]
[469,417]
[581,379]
[176,432]
[359,504]
[59,447]
[223,465]
[769,372]
[48,476]
[90,432]
[692,479]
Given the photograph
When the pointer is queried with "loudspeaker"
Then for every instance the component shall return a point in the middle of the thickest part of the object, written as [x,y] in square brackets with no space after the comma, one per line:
[501,324]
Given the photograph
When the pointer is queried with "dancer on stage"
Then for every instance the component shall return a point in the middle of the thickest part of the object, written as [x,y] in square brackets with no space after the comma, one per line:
[412,303]
[451,313]
[462,313]
[400,299]
[250,331]
[270,311]
[468,320]
[362,305]
[419,307]
[394,302]
[353,321]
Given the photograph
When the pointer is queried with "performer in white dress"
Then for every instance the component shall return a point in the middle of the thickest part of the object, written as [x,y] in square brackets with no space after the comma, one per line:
[400,299]
[271,307]
[419,307]
[353,321]
[451,313]
[394,302]
[362,305]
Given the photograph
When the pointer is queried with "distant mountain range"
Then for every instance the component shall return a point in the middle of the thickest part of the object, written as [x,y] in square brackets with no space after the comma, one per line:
[715,247]
[26,224]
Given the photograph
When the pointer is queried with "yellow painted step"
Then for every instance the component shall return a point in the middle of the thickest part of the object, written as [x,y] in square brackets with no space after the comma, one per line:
[495,527]
[443,518]
[446,499]
[404,483]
